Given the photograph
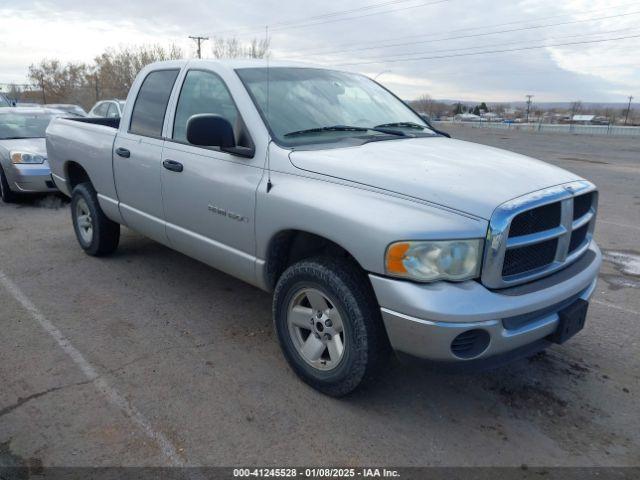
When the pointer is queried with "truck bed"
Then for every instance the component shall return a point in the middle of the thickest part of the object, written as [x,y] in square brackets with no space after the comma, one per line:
[87,142]
[107,122]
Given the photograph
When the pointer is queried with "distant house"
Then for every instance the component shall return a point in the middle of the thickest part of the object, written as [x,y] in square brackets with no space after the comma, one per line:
[467,117]
[584,119]
[491,117]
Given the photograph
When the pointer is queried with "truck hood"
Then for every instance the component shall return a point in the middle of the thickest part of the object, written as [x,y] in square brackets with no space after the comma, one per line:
[31,145]
[465,176]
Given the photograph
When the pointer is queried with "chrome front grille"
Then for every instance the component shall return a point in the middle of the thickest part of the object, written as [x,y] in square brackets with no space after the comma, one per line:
[537,234]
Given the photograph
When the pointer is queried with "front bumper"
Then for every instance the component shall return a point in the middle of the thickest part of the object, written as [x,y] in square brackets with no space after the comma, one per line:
[423,320]
[30,178]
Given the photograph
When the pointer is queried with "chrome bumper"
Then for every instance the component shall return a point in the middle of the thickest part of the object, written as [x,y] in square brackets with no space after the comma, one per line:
[422,320]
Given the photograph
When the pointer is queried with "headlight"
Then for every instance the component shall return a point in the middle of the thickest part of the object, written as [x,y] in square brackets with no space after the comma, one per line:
[26,157]
[427,261]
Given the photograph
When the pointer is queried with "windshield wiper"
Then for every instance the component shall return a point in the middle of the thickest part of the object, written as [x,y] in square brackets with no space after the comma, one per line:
[18,138]
[343,128]
[416,126]
[402,124]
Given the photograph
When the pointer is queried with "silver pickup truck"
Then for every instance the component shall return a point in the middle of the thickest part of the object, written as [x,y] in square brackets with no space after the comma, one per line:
[371,228]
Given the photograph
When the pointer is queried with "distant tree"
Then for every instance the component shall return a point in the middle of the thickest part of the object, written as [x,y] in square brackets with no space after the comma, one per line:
[109,76]
[576,107]
[114,70]
[423,104]
[58,82]
[458,109]
[483,106]
[233,48]
[498,108]
[476,110]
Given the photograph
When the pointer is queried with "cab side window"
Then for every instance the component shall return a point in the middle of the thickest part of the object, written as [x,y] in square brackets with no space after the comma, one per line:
[151,104]
[101,110]
[203,92]
[112,112]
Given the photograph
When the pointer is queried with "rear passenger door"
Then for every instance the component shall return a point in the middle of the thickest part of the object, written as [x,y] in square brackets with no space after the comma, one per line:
[210,204]
[137,156]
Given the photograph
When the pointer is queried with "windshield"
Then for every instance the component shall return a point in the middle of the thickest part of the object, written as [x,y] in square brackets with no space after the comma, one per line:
[23,124]
[309,105]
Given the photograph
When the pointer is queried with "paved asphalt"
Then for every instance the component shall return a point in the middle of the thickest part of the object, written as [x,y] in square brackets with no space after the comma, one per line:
[151,358]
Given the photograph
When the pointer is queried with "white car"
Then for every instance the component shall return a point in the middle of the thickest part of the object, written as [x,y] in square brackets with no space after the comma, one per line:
[107,109]
[24,167]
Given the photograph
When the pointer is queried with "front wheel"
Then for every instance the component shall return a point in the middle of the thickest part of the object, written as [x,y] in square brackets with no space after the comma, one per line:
[329,324]
[96,234]
[5,192]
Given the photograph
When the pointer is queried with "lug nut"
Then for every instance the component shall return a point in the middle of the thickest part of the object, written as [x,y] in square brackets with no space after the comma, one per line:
[319,314]
[327,336]
[328,323]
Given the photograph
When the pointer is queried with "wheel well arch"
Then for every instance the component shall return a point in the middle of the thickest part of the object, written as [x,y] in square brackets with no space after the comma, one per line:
[75,174]
[290,246]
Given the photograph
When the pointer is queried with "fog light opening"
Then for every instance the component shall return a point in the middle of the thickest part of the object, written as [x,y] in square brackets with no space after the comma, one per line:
[470,344]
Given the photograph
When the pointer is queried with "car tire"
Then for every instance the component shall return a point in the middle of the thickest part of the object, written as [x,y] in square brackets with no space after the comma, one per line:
[346,291]
[7,195]
[96,234]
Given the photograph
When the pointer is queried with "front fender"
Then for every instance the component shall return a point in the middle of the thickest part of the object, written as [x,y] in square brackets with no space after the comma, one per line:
[361,220]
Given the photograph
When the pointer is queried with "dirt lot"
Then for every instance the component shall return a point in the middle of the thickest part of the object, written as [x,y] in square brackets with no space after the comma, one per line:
[151,358]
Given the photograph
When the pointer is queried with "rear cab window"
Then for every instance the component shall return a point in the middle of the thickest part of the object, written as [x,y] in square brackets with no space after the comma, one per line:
[150,106]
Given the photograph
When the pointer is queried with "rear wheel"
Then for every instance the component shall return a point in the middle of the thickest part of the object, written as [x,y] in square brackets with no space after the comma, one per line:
[328,324]
[7,195]
[96,234]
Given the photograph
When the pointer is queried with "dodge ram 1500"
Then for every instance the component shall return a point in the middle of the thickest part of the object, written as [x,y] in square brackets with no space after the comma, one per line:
[371,228]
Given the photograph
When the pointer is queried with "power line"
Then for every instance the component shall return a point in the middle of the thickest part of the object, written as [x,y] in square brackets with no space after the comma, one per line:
[534,27]
[467,29]
[304,24]
[199,41]
[505,50]
[489,45]
[317,17]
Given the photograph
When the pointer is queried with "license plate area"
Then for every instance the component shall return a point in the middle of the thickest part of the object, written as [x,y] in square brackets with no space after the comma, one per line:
[572,319]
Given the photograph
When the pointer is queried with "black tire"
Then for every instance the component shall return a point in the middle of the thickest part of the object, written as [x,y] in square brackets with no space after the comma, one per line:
[7,195]
[105,232]
[366,345]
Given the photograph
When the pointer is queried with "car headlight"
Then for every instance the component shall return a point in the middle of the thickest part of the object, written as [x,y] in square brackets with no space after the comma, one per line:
[26,157]
[427,261]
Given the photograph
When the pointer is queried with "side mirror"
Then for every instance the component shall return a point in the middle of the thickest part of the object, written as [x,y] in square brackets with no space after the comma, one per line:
[208,130]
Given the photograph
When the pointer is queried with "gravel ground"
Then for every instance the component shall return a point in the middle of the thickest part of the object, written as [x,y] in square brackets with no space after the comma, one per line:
[151,358]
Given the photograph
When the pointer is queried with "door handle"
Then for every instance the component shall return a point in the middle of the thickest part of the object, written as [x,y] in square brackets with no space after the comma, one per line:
[172,165]
[123,152]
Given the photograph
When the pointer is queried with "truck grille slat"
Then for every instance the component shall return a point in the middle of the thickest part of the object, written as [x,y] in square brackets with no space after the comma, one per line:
[581,205]
[577,237]
[538,234]
[536,220]
[525,259]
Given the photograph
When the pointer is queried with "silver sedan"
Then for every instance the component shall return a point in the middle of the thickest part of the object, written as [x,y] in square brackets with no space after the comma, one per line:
[23,155]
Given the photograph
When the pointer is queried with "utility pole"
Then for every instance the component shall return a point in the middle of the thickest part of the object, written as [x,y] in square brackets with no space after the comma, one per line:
[97,88]
[529,97]
[626,117]
[199,41]
[44,95]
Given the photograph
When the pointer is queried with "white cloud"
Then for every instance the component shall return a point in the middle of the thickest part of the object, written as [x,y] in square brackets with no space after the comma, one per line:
[77,30]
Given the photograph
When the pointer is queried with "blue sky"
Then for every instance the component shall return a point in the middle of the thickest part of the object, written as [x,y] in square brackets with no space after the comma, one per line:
[75,30]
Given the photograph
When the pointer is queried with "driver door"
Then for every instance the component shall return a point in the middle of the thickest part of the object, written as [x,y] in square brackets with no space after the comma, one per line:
[210,204]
